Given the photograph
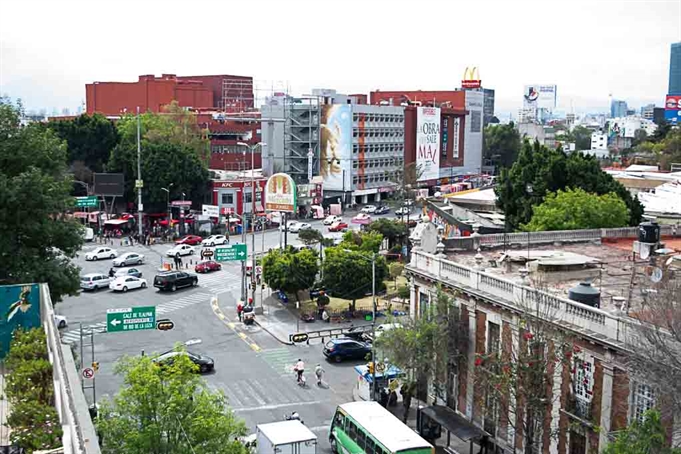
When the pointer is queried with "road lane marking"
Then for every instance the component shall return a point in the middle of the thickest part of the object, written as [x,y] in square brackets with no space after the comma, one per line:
[255,347]
[231,325]
[276,406]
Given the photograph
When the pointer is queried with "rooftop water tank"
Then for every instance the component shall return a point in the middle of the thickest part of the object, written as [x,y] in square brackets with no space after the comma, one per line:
[586,294]
[649,232]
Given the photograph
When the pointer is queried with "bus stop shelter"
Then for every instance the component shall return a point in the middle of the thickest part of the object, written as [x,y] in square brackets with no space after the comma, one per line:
[431,420]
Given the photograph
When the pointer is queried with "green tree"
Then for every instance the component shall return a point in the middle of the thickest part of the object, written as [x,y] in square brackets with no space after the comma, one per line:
[668,150]
[581,136]
[290,271]
[162,164]
[347,273]
[501,144]
[396,270]
[174,150]
[576,209]
[36,237]
[427,347]
[647,437]
[310,236]
[167,410]
[543,171]
[391,229]
[362,241]
[89,138]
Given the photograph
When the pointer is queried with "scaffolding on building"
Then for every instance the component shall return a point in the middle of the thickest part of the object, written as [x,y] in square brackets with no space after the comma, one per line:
[301,136]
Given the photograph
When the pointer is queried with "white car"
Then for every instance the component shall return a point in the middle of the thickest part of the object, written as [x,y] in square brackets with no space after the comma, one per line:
[179,250]
[369,209]
[403,211]
[129,258]
[123,284]
[380,329]
[213,240]
[101,253]
[298,226]
[331,219]
[288,226]
[60,321]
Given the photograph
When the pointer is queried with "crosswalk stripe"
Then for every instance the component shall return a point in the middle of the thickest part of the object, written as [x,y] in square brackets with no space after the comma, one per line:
[163,308]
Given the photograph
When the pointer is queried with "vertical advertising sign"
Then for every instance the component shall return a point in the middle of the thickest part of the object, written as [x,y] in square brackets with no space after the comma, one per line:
[455,134]
[428,143]
[281,194]
[19,307]
[335,155]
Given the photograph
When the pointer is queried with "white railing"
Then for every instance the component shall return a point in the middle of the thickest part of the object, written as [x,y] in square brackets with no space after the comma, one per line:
[498,239]
[582,318]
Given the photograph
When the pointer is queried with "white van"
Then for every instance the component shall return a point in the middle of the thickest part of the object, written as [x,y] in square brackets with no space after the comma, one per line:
[88,234]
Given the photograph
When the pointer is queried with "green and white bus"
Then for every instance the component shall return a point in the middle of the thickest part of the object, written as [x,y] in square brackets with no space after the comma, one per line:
[368,428]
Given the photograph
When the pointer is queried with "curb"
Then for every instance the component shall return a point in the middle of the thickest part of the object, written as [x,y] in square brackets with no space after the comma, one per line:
[285,342]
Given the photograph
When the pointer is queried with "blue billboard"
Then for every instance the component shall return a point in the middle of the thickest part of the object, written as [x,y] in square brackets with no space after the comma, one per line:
[672,109]
[19,307]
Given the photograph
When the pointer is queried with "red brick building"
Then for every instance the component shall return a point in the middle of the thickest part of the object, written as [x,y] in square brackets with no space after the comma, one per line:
[223,105]
[588,395]
[151,93]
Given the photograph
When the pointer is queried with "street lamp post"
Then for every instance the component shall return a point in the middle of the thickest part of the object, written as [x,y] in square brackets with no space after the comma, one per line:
[170,213]
[529,190]
[252,148]
[140,207]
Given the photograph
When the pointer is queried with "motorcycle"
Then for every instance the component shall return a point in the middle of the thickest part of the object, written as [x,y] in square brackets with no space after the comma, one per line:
[249,318]
[293,417]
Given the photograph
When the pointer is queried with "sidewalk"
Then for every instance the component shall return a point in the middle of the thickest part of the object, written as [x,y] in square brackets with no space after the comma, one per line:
[281,320]
[456,445]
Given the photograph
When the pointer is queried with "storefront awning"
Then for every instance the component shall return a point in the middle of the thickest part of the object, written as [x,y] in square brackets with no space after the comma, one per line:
[116,222]
[454,423]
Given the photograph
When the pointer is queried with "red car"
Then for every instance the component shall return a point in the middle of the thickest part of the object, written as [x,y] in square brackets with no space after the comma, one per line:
[338,227]
[191,240]
[207,266]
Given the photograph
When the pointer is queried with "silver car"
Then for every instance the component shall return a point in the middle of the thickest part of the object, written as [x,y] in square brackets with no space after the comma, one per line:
[129,258]
[94,281]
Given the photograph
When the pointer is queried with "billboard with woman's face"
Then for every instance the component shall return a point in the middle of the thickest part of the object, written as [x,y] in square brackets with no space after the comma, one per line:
[336,147]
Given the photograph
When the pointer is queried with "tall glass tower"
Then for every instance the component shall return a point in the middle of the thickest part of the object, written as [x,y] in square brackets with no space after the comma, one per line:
[675,70]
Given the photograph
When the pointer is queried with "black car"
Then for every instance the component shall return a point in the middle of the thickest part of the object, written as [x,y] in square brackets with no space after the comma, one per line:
[358,333]
[172,280]
[382,209]
[340,349]
[205,363]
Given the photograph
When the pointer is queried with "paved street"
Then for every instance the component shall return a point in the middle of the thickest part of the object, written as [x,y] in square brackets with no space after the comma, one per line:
[252,368]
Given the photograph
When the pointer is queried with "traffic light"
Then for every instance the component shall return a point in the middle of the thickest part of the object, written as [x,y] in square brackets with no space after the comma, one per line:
[262,286]
[95,366]
[253,285]
[370,366]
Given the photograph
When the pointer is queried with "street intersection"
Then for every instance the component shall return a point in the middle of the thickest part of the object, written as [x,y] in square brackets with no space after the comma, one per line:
[252,368]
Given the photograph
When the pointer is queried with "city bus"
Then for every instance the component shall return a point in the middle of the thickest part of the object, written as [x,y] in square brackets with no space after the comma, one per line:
[367,427]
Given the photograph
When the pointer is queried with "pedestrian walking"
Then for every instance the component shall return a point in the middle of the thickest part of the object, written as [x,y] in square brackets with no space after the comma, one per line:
[406,392]
[239,309]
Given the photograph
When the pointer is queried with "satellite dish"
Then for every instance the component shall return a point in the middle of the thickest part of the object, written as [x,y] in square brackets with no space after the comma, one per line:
[645,251]
[656,275]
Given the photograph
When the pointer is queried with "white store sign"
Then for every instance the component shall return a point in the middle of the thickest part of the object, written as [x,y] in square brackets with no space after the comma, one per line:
[428,143]
[210,210]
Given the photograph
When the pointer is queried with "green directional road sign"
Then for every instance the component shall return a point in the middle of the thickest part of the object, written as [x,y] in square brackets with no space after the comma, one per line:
[231,252]
[131,319]
[91,201]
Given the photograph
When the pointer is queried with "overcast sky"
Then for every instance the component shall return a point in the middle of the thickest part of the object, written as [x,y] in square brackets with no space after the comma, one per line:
[50,49]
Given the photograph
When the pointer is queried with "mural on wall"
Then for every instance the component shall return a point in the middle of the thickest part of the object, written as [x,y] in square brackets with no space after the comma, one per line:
[19,307]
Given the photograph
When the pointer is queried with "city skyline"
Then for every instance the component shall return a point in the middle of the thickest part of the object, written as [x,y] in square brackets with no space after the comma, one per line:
[424,48]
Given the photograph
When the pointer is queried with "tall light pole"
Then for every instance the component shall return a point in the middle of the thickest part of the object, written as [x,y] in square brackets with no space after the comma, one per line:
[170,213]
[138,183]
[253,265]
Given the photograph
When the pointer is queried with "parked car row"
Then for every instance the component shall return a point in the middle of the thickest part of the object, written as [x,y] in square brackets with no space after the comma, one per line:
[295,226]
[130,280]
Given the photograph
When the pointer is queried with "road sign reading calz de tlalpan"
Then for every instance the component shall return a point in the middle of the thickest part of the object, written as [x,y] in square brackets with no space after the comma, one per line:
[131,319]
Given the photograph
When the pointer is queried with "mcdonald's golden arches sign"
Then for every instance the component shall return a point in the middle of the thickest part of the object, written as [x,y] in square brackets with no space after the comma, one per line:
[471,78]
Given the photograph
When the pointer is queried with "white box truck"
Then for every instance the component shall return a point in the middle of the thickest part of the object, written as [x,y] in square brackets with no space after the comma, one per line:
[285,437]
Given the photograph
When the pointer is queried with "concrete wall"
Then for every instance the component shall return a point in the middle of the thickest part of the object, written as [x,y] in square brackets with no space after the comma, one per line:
[79,432]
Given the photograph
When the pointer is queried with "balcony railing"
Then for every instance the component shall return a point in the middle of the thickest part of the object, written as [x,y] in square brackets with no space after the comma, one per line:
[587,320]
